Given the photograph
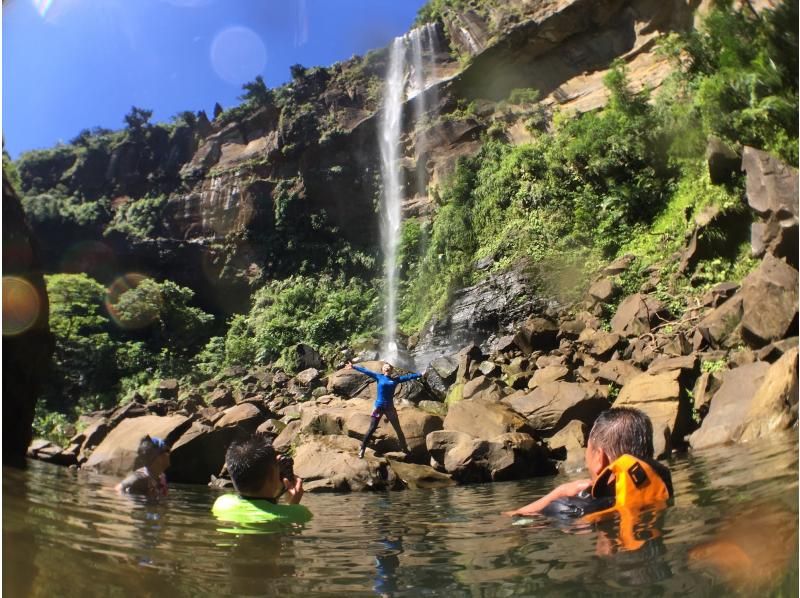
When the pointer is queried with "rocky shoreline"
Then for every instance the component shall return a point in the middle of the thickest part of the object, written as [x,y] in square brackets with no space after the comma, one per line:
[521,405]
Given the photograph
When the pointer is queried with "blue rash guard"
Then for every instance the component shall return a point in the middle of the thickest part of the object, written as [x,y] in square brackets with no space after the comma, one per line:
[386,386]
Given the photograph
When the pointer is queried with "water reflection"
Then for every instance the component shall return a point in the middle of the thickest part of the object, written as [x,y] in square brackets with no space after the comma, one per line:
[732,528]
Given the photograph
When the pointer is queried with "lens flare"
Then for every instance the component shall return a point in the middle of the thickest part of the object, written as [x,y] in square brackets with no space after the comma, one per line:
[238,55]
[131,312]
[42,6]
[21,305]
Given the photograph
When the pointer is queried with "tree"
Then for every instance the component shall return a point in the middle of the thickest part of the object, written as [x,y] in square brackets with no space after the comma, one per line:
[298,71]
[256,92]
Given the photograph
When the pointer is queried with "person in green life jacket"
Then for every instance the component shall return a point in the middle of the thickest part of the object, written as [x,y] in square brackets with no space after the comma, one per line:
[384,403]
[255,469]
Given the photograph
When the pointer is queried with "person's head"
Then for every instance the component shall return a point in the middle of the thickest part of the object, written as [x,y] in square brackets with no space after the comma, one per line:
[152,453]
[387,368]
[253,467]
[617,432]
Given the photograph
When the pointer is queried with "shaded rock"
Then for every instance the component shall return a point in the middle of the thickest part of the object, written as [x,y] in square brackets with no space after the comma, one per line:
[93,435]
[617,371]
[550,360]
[598,343]
[221,398]
[116,453]
[200,452]
[571,328]
[637,314]
[662,364]
[439,442]
[618,266]
[446,367]
[774,406]
[286,436]
[484,419]
[568,444]
[504,344]
[604,290]
[271,427]
[307,357]
[466,358]
[704,388]
[773,351]
[660,397]
[49,452]
[506,457]
[488,368]
[420,476]
[536,334]
[167,389]
[552,405]
[551,373]
[678,345]
[433,407]
[244,415]
[720,327]
[723,162]
[330,463]
[436,385]
[350,383]
[133,409]
[769,302]
[719,293]
[730,405]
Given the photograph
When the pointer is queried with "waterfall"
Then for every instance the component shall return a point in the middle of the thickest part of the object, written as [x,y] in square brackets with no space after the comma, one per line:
[390,130]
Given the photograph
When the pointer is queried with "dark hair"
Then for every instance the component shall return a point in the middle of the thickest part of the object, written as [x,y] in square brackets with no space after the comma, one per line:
[149,448]
[623,430]
[249,462]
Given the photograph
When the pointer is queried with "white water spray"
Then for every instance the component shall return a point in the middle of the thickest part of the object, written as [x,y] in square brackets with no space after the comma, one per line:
[391,127]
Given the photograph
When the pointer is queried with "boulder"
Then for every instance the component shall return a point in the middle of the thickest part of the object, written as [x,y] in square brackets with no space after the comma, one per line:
[723,162]
[436,385]
[308,377]
[244,415]
[489,368]
[769,302]
[351,383]
[484,418]
[774,406]
[660,397]
[720,327]
[221,397]
[730,405]
[604,290]
[552,405]
[773,351]
[286,436]
[568,444]
[200,453]
[618,266]
[167,389]
[598,343]
[466,358]
[719,293]
[665,364]
[93,435]
[537,334]
[330,463]
[116,453]
[706,385]
[637,314]
[482,388]
[446,367]
[617,371]
[440,442]
[420,476]
[505,457]
[271,427]
[307,357]
[551,373]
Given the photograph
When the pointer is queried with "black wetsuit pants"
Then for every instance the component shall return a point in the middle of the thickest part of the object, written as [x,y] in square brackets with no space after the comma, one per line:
[391,415]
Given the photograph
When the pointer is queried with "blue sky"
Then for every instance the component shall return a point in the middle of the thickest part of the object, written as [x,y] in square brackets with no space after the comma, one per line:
[75,64]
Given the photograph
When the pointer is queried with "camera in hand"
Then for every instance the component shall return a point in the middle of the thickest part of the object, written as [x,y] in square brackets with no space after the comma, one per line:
[286,467]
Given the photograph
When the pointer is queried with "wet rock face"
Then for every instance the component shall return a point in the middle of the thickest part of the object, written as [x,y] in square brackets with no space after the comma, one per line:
[27,342]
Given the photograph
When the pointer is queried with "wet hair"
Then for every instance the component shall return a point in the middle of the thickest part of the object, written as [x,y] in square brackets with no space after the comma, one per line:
[249,462]
[623,430]
[149,448]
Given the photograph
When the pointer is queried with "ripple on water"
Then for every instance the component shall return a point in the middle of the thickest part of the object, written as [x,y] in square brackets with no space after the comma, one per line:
[72,535]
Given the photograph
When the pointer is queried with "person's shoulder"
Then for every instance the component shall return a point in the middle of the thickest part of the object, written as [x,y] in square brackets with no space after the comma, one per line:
[136,482]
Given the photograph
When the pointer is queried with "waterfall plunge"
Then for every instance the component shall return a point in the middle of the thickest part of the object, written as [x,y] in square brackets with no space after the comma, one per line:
[391,127]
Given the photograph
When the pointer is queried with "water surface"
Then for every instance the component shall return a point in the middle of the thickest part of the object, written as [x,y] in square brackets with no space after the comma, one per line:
[65,533]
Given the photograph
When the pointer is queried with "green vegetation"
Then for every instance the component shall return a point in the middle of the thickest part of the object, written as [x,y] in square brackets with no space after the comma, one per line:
[323,312]
[139,218]
[626,179]
[154,333]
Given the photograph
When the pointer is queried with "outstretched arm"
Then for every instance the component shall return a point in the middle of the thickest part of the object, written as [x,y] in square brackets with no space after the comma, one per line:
[562,491]
[364,371]
[407,377]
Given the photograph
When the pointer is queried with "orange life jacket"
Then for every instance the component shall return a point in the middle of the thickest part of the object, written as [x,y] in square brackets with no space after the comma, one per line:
[636,486]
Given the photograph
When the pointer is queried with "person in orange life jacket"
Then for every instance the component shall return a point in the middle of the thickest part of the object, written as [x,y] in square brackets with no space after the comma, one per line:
[152,460]
[619,457]
[384,402]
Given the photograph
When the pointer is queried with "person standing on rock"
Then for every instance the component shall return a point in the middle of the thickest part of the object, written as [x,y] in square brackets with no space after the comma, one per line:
[384,403]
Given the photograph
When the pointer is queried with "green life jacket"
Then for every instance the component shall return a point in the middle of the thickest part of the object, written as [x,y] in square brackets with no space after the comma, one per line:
[254,516]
